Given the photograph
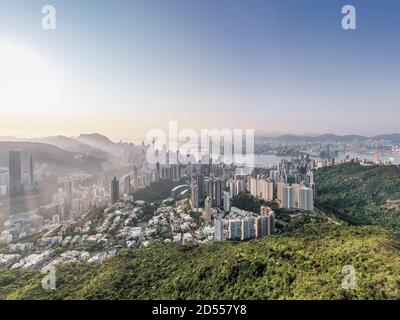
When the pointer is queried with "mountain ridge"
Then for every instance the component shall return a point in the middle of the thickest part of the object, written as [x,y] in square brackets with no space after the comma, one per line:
[97,142]
[59,160]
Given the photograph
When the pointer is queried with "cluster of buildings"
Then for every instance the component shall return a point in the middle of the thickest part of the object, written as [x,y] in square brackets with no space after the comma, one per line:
[291,184]
[207,189]
[245,225]
[364,162]
[295,196]
[22,225]
[78,240]
[73,198]
[65,225]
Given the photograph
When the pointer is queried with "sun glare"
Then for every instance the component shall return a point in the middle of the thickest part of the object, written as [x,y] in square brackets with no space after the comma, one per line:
[25,79]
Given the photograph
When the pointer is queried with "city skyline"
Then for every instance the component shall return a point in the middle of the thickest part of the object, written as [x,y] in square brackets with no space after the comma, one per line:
[123,68]
[206,151]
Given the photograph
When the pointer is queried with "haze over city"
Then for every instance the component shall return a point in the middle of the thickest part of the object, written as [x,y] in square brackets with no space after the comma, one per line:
[200,152]
[127,67]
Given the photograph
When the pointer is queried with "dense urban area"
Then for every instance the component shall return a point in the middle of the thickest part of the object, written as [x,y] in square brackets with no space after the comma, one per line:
[122,206]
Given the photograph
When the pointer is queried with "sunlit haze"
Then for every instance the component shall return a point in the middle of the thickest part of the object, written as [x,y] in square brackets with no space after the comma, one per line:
[125,67]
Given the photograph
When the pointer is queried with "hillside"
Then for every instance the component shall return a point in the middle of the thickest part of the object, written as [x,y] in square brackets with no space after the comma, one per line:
[58,160]
[99,141]
[73,145]
[360,194]
[304,265]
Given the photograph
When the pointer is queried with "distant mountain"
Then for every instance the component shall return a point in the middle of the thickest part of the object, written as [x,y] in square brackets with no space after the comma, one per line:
[74,145]
[334,137]
[99,141]
[59,161]
[275,134]
[11,138]
[267,134]
[90,145]
[320,138]
[394,138]
[65,143]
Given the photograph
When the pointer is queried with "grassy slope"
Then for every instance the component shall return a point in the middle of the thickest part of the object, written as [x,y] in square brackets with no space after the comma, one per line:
[284,267]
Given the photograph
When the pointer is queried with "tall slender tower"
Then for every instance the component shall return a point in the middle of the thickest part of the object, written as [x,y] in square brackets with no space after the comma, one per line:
[207,209]
[31,173]
[127,185]
[195,196]
[15,172]
[135,176]
[157,171]
[114,190]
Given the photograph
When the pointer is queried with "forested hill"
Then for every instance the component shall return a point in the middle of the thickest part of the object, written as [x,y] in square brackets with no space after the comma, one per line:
[361,194]
[304,264]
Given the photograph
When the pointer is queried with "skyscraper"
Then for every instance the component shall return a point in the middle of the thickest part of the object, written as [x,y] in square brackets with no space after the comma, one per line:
[114,190]
[157,171]
[218,188]
[200,186]
[235,229]
[127,185]
[269,215]
[306,199]
[135,177]
[267,190]
[227,201]
[209,192]
[195,196]
[15,172]
[219,230]
[248,230]
[287,197]
[232,188]
[207,209]
[31,173]
[261,226]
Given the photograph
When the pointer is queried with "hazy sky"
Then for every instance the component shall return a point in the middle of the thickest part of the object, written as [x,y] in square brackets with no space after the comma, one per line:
[122,67]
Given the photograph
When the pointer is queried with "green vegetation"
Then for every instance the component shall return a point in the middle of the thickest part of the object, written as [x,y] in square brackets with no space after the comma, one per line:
[306,264]
[196,216]
[358,194]
[156,191]
[148,211]
[246,201]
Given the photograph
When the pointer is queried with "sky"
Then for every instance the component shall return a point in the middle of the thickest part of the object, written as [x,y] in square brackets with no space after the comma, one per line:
[121,68]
